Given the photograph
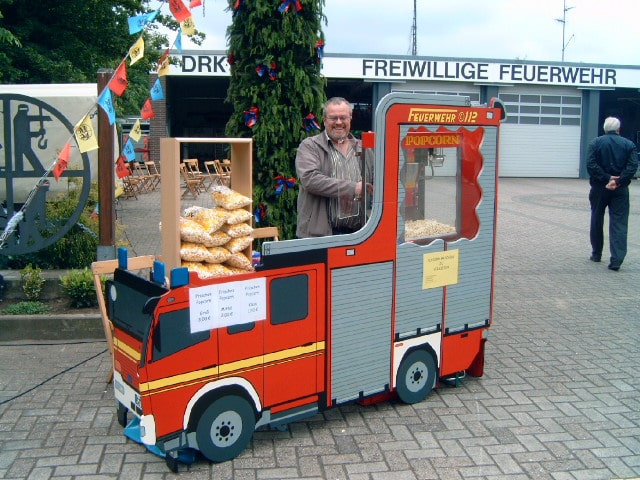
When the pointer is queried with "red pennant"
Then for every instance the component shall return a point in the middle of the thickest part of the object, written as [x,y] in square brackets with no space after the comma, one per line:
[195,3]
[179,10]
[63,161]
[121,167]
[119,82]
[147,110]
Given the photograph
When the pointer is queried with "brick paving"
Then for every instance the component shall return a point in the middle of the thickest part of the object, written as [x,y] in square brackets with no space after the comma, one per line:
[559,398]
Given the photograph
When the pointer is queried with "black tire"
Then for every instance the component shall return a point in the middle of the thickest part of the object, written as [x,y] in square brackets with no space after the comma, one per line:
[416,376]
[225,428]
[122,415]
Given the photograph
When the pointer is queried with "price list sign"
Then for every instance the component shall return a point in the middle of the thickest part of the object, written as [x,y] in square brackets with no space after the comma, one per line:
[223,305]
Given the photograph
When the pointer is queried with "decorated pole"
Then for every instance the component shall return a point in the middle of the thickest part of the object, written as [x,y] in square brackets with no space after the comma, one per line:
[106,194]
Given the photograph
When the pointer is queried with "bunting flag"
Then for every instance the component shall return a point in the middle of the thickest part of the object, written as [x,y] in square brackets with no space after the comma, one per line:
[310,123]
[136,52]
[179,10]
[129,150]
[237,5]
[119,83]
[286,4]
[251,116]
[121,167]
[137,24]
[96,212]
[106,102]
[178,42]
[195,3]
[188,27]
[147,110]
[283,184]
[164,64]
[156,91]
[136,131]
[63,161]
[85,135]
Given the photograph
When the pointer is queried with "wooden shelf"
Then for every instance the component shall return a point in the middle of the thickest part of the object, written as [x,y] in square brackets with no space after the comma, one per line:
[241,182]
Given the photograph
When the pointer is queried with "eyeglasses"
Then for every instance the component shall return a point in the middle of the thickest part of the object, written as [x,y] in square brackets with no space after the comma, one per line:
[335,118]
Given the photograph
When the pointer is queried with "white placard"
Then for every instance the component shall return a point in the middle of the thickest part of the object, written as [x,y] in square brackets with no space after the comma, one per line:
[226,304]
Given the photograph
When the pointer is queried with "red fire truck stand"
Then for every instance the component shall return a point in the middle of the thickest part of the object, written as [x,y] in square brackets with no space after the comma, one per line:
[386,311]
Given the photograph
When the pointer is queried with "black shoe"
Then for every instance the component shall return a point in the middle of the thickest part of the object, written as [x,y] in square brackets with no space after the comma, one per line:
[594,258]
[615,268]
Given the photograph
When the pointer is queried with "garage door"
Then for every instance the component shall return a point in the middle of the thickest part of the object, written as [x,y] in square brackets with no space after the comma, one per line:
[541,135]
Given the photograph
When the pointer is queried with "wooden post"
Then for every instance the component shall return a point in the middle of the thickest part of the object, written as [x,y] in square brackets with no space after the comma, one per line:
[106,181]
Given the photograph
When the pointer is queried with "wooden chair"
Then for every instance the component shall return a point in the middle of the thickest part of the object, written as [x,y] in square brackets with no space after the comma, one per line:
[154,173]
[193,185]
[131,185]
[212,174]
[140,171]
[193,170]
[192,165]
[226,166]
[225,174]
[266,232]
[107,267]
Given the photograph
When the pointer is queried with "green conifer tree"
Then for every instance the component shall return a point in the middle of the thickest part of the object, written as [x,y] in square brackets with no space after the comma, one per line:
[275,57]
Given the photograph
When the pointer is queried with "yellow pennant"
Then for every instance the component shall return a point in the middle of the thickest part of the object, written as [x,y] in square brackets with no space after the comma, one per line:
[136,131]
[85,135]
[136,52]
[188,27]
[164,67]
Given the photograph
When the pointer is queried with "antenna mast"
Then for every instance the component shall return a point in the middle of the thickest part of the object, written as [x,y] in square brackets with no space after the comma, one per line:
[563,21]
[414,31]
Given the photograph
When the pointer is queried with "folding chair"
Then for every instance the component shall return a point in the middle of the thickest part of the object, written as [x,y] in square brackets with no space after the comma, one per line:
[193,170]
[131,185]
[193,185]
[220,169]
[141,173]
[153,173]
[212,173]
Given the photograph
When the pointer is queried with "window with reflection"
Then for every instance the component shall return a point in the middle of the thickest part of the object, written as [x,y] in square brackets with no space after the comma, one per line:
[438,187]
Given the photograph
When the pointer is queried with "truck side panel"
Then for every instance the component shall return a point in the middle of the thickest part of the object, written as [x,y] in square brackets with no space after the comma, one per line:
[361,313]
[468,303]
[418,310]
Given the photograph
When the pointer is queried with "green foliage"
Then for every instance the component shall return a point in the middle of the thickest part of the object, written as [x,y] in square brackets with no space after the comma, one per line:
[26,308]
[67,42]
[7,37]
[82,239]
[78,286]
[261,35]
[32,282]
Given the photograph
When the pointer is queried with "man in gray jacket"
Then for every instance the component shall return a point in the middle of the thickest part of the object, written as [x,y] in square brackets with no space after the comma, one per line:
[328,166]
[612,162]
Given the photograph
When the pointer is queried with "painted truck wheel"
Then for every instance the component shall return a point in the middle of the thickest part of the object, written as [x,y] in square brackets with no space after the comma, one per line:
[225,428]
[416,376]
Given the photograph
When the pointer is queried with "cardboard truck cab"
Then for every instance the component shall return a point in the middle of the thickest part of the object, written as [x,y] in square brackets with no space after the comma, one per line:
[383,312]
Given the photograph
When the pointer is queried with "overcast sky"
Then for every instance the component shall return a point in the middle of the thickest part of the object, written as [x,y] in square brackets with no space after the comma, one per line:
[596,31]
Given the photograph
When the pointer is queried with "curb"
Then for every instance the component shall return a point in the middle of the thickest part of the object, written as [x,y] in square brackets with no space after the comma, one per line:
[48,327]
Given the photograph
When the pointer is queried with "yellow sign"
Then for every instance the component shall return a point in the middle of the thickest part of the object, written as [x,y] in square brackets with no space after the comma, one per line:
[440,269]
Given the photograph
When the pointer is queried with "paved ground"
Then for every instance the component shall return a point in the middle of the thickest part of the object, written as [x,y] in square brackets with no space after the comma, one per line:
[559,399]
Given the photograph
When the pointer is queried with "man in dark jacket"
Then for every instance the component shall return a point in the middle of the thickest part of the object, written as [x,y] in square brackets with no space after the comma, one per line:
[330,180]
[612,161]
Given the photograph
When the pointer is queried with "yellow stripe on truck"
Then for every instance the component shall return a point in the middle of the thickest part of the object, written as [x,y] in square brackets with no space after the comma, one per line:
[225,370]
